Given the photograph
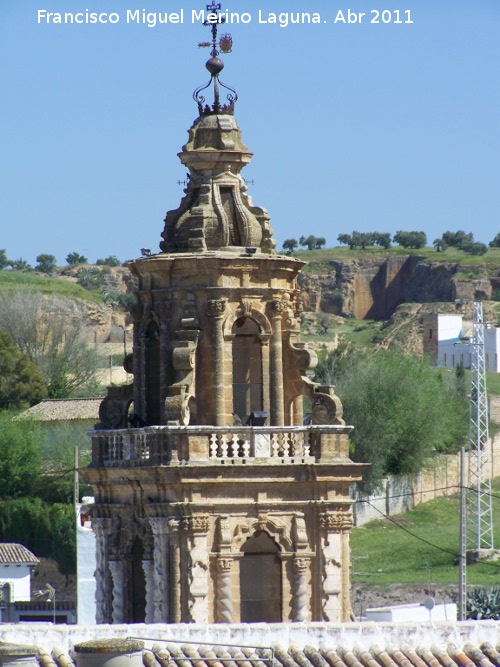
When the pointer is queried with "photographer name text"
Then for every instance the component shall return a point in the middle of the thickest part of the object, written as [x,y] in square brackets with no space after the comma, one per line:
[283,19]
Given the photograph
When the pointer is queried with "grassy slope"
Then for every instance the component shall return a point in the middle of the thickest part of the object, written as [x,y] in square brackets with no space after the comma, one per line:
[392,555]
[24,280]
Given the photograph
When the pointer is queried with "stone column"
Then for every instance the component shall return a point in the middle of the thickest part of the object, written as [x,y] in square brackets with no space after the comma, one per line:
[276,365]
[175,571]
[266,374]
[148,568]
[346,525]
[301,594]
[216,309]
[331,566]
[116,568]
[197,528]
[102,528]
[224,595]
[137,312]
[158,592]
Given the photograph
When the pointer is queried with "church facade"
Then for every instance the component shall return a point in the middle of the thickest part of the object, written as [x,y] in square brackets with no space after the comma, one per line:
[214,503]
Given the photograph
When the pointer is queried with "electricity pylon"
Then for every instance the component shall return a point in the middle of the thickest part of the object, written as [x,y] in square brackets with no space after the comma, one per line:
[479,522]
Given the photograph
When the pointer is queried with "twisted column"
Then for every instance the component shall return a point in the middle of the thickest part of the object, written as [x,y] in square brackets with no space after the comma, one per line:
[116,568]
[216,309]
[160,581]
[224,612]
[276,364]
[101,528]
[175,571]
[197,528]
[148,569]
[301,599]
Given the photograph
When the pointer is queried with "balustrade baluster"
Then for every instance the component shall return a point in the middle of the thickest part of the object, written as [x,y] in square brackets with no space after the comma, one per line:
[245,444]
[213,445]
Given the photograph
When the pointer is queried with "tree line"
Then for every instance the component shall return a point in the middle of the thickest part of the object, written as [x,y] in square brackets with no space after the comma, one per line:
[47,263]
[412,239]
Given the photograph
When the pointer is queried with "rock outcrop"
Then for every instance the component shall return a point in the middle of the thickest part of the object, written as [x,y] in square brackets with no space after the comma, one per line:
[374,288]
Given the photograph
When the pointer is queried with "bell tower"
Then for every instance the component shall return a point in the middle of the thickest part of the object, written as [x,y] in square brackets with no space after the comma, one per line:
[213,500]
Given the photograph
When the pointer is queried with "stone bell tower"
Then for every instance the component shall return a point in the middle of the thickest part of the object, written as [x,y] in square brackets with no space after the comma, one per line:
[213,502]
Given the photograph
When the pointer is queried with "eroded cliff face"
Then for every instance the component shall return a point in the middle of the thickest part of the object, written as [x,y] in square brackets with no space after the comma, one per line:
[374,288]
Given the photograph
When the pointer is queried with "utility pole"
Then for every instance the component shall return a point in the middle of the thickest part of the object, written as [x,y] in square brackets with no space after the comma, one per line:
[479,522]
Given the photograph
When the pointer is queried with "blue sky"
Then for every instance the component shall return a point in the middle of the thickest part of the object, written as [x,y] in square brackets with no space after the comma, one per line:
[371,126]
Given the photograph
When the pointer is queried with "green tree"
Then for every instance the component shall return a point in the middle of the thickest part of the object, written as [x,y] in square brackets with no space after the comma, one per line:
[477,248]
[410,239]
[324,321]
[440,245]
[20,461]
[309,241]
[21,381]
[382,239]
[20,264]
[347,240]
[289,245]
[4,261]
[414,410]
[74,258]
[493,244]
[320,242]
[46,263]
[112,260]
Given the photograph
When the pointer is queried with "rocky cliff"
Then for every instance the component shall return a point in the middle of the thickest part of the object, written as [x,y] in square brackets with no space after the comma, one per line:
[374,288]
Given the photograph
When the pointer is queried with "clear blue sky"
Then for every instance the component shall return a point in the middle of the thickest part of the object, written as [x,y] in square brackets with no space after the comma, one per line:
[374,127]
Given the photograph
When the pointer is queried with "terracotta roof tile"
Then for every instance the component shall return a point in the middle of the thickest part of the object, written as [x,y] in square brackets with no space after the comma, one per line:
[64,409]
[169,654]
[11,552]
[490,652]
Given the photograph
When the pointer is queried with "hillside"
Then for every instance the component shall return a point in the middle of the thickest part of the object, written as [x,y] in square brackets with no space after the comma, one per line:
[374,297]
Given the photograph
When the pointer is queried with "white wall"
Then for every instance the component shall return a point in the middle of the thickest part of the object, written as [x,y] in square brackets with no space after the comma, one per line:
[46,635]
[86,565]
[18,576]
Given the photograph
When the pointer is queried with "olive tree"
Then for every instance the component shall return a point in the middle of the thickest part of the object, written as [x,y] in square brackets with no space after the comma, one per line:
[402,409]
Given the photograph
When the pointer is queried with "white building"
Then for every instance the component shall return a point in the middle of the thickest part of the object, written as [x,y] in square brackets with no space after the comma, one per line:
[16,563]
[447,338]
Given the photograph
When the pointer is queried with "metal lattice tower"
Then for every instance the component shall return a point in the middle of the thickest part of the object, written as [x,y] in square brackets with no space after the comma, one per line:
[479,525]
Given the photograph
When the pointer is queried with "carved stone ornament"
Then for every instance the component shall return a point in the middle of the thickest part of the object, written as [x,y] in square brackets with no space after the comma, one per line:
[199,523]
[246,307]
[301,565]
[216,307]
[224,565]
[113,410]
[336,521]
[278,307]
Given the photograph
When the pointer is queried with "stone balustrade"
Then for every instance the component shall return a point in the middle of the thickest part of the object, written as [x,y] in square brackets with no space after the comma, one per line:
[164,445]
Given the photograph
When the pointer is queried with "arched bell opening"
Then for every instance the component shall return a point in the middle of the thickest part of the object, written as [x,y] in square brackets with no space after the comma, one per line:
[247,368]
[260,580]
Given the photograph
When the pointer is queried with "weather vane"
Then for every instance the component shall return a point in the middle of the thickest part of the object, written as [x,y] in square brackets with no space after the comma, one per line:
[215,65]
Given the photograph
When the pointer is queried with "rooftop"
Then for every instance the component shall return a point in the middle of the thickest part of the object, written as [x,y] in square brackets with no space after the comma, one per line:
[12,553]
[64,409]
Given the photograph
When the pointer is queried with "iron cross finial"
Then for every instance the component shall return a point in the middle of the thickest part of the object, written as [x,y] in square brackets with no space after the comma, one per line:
[226,41]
